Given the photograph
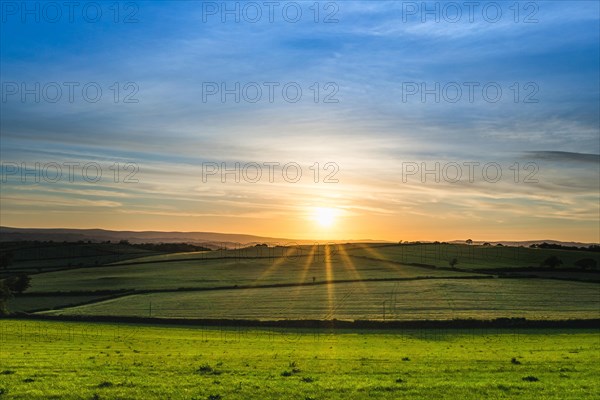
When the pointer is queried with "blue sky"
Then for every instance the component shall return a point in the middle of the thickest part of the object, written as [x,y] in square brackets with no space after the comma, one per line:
[373,49]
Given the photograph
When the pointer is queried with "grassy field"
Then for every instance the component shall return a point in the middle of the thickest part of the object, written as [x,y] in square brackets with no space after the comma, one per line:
[470,257]
[203,273]
[41,257]
[353,281]
[87,360]
[405,300]
[35,303]
[56,360]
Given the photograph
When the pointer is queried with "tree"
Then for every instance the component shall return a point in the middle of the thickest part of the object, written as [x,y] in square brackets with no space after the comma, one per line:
[18,284]
[6,259]
[4,297]
[487,244]
[453,262]
[469,242]
[587,263]
[551,262]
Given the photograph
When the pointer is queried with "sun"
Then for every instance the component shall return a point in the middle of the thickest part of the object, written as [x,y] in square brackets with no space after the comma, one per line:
[325,216]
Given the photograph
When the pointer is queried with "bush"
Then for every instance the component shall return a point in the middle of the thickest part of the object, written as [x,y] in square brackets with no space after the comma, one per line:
[551,262]
[587,263]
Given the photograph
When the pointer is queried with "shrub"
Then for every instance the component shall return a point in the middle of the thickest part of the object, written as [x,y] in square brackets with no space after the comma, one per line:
[551,262]
[587,263]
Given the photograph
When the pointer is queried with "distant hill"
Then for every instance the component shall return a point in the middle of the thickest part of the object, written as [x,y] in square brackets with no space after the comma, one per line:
[209,239]
[527,243]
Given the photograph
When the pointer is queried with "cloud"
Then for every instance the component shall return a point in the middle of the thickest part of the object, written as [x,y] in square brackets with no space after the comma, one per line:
[564,156]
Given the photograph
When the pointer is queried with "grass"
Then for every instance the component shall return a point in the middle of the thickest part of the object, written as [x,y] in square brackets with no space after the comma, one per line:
[109,361]
[439,298]
[76,360]
[203,273]
[404,300]
[36,258]
[28,303]
[470,257]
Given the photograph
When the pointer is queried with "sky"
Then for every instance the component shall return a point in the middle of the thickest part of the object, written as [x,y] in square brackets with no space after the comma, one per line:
[342,120]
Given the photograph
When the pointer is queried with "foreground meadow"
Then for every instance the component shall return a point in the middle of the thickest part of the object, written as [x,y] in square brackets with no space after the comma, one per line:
[68,360]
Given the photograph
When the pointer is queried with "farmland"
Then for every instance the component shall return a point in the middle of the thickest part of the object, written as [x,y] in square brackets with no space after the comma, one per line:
[353,281]
[107,361]
[241,303]
[427,299]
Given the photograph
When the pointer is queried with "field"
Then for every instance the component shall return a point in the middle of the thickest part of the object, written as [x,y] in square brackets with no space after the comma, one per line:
[352,281]
[424,299]
[45,360]
[226,292]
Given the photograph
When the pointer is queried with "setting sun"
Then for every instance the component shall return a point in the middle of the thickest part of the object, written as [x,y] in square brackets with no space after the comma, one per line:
[325,216]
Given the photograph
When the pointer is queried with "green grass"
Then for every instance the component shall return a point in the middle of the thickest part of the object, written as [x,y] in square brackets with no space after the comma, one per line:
[46,360]
[31,258]
[441,298]
[404,300]
[470,257]
[225,272]
[34,303]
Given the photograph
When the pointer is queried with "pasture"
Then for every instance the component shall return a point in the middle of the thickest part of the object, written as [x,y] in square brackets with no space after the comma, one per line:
[355,282]
[67,360]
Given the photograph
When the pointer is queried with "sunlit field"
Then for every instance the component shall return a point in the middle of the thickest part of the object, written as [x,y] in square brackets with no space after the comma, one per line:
[42,360]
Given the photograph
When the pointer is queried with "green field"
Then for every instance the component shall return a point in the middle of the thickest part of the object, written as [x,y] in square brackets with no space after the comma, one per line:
[425,299]
[42,257]
[470,257]
[203,273]
[59,360]
[347,282]
[355,282]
